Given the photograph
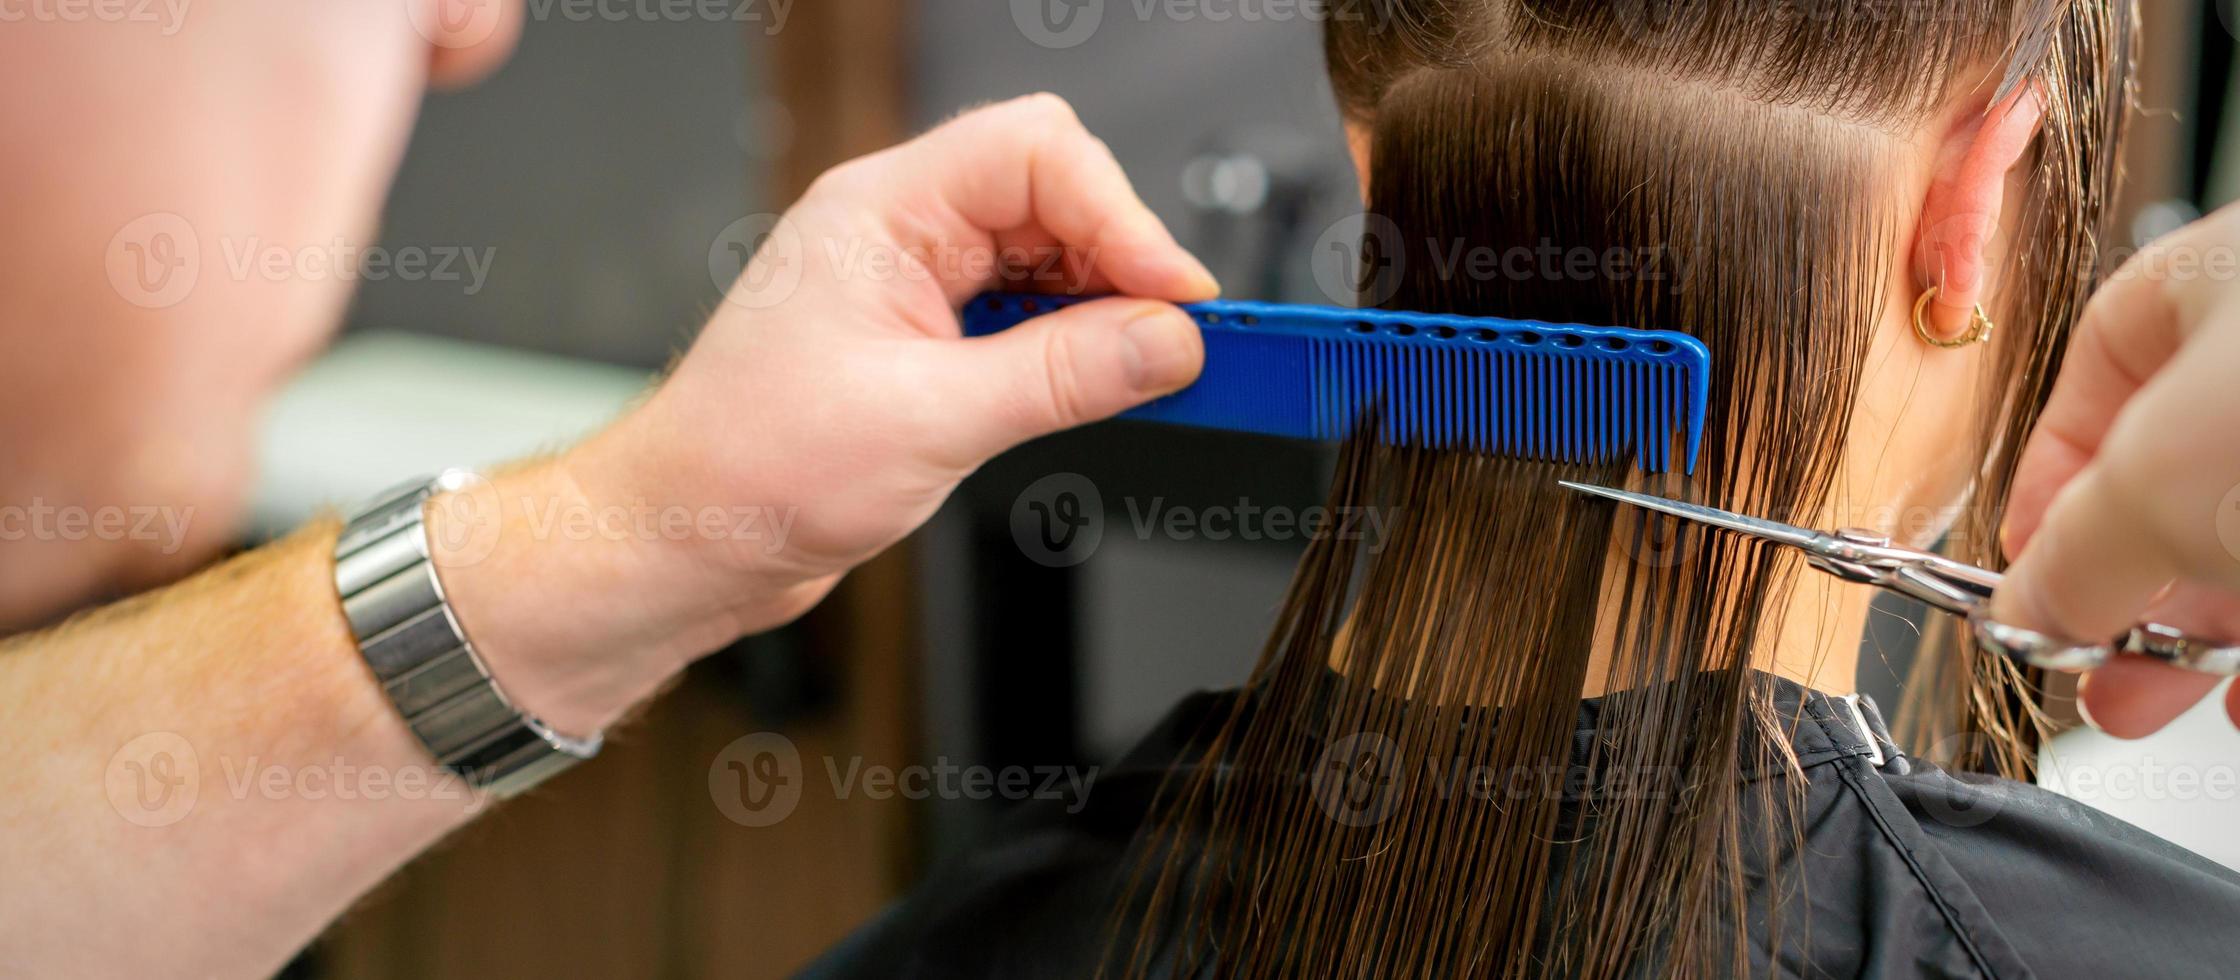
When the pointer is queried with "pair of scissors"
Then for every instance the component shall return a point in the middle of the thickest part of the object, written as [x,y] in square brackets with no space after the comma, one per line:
[1954,587]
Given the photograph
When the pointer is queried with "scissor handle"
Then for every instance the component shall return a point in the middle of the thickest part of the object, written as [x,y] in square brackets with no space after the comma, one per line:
[2167,644]
[1965,590]
[2028,646]
[2174,647]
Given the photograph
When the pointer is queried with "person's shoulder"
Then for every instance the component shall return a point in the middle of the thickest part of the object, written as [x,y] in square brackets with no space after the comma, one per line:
[2076,891]
[1988,815]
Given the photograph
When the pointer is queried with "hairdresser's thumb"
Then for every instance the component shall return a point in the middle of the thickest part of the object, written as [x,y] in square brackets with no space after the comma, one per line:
[1078,365]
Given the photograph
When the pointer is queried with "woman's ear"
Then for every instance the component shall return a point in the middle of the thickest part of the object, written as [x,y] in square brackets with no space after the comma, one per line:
[1967,195]
[1357,145]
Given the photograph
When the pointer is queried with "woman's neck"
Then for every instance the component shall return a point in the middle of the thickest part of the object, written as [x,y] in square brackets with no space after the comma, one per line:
[1813,638]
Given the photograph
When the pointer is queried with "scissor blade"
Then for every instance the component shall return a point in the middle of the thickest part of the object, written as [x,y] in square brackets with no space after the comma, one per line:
[1788,534]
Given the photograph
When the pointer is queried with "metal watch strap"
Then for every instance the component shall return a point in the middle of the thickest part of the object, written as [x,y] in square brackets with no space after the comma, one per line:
[409,636]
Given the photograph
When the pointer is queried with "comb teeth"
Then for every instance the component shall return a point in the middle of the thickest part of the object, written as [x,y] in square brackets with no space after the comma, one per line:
[1515,388]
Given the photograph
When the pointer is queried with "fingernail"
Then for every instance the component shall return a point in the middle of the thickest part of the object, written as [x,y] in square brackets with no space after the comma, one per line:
[2083,711]
[1158,241]
[1178,274]
[1162,350]
[1202,283]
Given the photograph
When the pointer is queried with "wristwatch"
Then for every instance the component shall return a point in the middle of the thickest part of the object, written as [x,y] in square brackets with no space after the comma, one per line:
[409,635]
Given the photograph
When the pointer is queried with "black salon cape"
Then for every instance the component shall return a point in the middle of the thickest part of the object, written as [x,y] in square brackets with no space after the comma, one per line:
[1912,871]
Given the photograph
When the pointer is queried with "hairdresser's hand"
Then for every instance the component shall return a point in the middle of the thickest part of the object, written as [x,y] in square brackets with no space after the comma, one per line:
[2127,505]
[831,402]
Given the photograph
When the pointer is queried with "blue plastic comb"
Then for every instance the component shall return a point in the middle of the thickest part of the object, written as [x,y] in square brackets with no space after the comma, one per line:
[1503,387]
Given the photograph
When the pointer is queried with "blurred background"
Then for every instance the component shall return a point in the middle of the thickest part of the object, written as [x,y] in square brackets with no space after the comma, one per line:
[603,179]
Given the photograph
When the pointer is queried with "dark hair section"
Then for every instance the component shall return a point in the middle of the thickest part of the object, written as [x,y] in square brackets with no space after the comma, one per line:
[1403,789]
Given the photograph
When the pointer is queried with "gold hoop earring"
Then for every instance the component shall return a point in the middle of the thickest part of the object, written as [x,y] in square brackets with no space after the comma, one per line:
[1979,327]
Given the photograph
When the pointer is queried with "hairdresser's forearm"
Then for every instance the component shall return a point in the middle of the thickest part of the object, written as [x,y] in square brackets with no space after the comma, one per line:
[138,829]
[306,787]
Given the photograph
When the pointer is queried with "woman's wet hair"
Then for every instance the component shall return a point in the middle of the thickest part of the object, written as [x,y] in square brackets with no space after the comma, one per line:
[1404,788]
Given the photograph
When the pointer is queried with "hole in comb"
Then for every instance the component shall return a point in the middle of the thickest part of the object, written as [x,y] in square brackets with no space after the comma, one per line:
[1364,326]
[1485,335]
[1571,340]
[1403,330]
[1210,318]
[1443,332]
[1615,343]
[1661,346]
[1529,338]
[1249,320]
[1029,306]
